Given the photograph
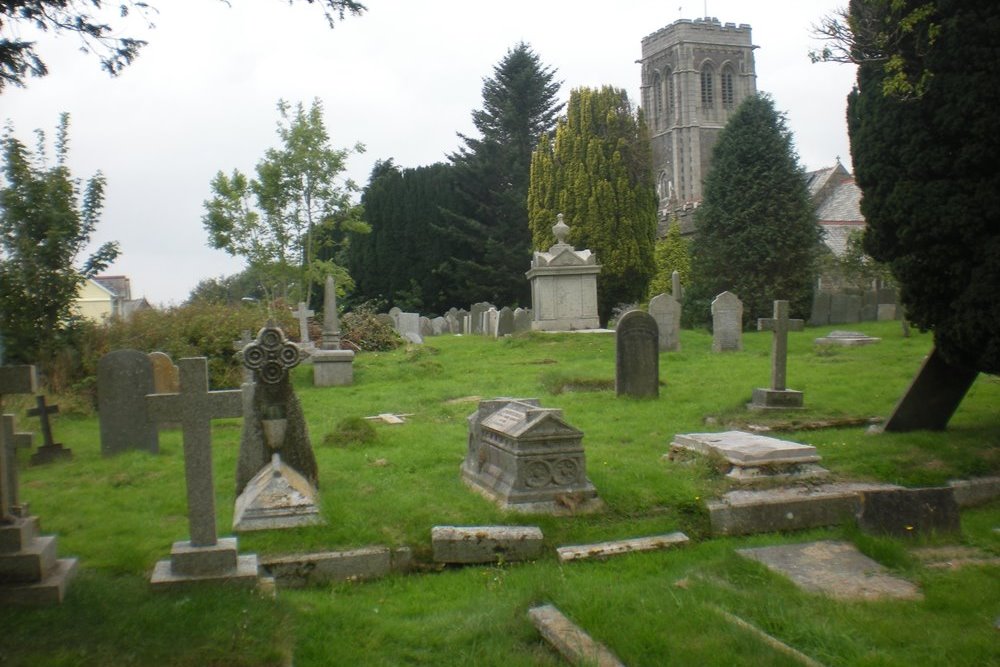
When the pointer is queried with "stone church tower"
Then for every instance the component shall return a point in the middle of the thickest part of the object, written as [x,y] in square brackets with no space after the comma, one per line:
[694,75]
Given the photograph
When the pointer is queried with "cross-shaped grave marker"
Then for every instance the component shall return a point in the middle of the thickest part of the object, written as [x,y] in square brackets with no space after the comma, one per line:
[49,450]
[778,396]
[9,487]
[13,380]
[303,314]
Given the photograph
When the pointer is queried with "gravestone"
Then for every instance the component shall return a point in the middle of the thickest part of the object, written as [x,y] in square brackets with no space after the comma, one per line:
[463,322]
[408,326]
[675,286]
[490,321]
[727,323]
[637,359]
[426,329]
[394,313]
[238,344]
[476,316]
[204,557]
[910,512]
[332,366]
[505,322]
[522,320]
[30,573]
[527,458]
[440,326]
[932,397]
[453,324]
[820,313]
[666,310]
[166,379]
[276,475]
[563,285]
[302,314]
[778,396]
[50,450]
[124,378]
[846,339]
[751,456]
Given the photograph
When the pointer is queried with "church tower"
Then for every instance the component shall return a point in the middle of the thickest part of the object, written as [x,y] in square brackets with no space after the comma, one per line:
[694,75]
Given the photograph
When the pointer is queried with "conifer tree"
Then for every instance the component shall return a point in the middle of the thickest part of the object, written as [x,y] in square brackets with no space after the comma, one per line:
[598,173]
[671,253]
[756,232]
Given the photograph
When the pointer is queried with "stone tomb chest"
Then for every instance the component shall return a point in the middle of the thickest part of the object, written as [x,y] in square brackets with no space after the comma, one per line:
[751,456]
[527,458]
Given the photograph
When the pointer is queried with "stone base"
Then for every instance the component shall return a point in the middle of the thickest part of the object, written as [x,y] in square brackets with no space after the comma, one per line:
[775,399]
[576,324]
[277,497]
[187,559]
[244,574]
[51,589]
[313,569]
[619,547]
[559,503]
[49,453]
[333,368]
[485,544]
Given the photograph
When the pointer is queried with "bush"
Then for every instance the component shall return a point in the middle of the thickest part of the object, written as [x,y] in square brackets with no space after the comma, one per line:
[362,330]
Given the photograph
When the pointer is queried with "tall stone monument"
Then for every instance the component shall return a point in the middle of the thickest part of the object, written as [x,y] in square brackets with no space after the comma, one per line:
[332,366]
[564,286]
[778,396]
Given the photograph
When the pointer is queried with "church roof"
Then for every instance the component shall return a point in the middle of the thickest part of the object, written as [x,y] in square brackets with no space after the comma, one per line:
[838,205]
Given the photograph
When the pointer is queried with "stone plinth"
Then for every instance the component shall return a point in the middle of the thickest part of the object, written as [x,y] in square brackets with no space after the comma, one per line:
[277,497]
[564,286]
[753,456]
[30,572]
[485,544]
[764,398]
[527,458]
[333,368]
[325,567]
[218,563]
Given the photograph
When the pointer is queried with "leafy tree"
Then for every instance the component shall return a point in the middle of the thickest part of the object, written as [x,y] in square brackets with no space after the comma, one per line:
[926,163]
[229,290]
[756,231]
[490,223]
[671,253]
[46,220]
[598,173]
[272,220]
[19,58]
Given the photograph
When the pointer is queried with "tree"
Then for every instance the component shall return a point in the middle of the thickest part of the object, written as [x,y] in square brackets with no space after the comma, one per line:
[671,253]
[598,173]
[756,231]
[46,220]
[490,222]
[19,58]
[229,290]
[926,164]
[272,220]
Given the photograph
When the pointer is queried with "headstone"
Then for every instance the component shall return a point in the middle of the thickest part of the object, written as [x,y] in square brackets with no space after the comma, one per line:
[778,396]
[637,359]
[727,323]
[50,450]
[820,314]
[331,321]
[204,557]
[666,310]
[910,512]
[394,314]
[752,456]
[675,286]
[505,322]
[846,339]
[491,319]
[440,326]
[886,311]
[527,458]
[522,320]
[238,345]
[408,326]
[619,547]
[563,286]
[453,325]
[386,319]
[932,397]
[124,378]
[302,314]
[476,316]
[426,330]
[332,366]
[463,322]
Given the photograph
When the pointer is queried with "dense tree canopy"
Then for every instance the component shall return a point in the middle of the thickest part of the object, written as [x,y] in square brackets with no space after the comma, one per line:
[598,173]
[90,20]
[46,220]
[756,228]
[926,162]
[671,253]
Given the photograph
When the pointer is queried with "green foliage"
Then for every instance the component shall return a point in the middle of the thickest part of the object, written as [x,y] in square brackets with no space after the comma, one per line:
[351,431]
[362,330]
[927,166]
[273,220]
[46,220]
[229,290]
[671,253]
[598,173]
[756,231]
[854,268]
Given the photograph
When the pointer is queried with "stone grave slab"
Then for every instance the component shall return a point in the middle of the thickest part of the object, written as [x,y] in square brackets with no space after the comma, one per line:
[619,547]
[976,491]
[575,645]
[753,456]
[485,544]
[909,512]
[836,569]
[325,567]
[846,339]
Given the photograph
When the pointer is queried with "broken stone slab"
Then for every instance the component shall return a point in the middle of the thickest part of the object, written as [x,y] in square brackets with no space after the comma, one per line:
[846,338]
[310,569]
[978,491]
[833,568]
[485,544]
[753,456]
[745,512]
[909,512]
[953,557]
[390,418]
[572,643]
[618,547]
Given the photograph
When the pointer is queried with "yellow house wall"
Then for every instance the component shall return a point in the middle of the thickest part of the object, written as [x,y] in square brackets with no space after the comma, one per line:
[94,302]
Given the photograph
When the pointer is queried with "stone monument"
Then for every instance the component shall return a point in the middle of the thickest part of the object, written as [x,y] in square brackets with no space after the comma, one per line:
[204,557]
[276,475]
[527,458]
[564,286]
[778,396]
[666,310]
[332,366]
[637,360]
[50,449]
[302,314]
[124,378]
[727,323]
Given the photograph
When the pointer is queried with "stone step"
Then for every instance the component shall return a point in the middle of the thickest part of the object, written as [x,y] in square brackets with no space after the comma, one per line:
[14,536]
[615,548]
[976,491]
[31,564]
[575,645]
[485,544]
[50,590]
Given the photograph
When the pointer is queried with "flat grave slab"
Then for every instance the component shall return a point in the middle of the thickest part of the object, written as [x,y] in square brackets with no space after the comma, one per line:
[836,569]
[575,645]
[320,568]
[846,339]
[618,547]
[752,455]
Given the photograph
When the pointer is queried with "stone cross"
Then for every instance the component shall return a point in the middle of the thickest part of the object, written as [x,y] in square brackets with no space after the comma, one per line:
[13,380]
[331,323]
[11,442]
[240,343]
[303,314]
[194,408]
[42,412]
[271,356]
[780,324]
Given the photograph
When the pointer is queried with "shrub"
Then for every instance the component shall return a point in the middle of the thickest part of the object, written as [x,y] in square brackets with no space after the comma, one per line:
[362,330]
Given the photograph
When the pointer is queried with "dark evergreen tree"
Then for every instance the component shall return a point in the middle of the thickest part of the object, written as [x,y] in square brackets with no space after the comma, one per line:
[925,157]
[598,173]
[756,231]
[490,226]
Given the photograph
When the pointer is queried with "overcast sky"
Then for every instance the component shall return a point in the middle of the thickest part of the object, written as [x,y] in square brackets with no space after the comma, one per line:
[402,79]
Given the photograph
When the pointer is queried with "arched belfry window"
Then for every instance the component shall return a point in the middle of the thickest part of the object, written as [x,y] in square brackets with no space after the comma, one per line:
[668,82]
[728,89]
[707,91]
[657,100]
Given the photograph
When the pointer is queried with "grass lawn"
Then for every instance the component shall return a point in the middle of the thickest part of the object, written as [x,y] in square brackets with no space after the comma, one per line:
[120,516]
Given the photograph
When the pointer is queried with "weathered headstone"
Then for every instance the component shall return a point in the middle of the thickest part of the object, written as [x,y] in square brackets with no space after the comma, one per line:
[563,286]
[676,290]
[778,396]
[485,544]
[463,321]
[570,640]
[820,313]
[394,313]
[331,320]
[666,310]
[124,378]
[727,323]
[637,359]
[440,326]
[476,316]
[204,557]
[238,345]
[522,320]
[50,450]
[426,329]
[526,457]
[166,379]
[910,512]
[505,322]
[408,326]
[932,397]
[332,366]
[490,320]
[453,325]
[302,314]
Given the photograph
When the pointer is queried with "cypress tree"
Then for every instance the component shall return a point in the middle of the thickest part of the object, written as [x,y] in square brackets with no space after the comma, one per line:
[756,231]
[671,253]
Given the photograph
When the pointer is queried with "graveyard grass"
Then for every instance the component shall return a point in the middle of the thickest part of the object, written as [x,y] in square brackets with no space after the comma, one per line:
[120,515]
